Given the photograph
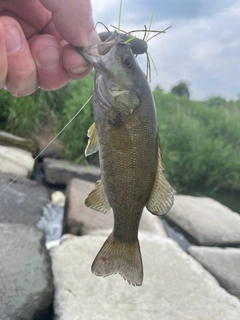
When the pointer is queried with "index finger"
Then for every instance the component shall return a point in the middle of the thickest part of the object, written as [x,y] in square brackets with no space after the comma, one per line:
[73,21]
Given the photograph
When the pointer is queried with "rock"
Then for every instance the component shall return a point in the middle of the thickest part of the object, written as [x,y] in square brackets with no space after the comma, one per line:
[23,201]
[224,265]
[175,286]
[26,288]
[43,137]
[80,220]
[16,161]
[62,171]
[8,139]
[206,220]
[58,198]
[176,234]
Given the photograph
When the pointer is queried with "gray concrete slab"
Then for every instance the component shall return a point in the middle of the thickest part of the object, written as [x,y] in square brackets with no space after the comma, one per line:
[175,286]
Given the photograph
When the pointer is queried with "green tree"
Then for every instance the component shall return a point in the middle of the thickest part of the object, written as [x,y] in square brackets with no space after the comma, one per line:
[216,102]
[159,89]
[181,89]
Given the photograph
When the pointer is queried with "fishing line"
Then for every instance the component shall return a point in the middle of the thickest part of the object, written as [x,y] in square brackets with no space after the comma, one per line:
[32,161]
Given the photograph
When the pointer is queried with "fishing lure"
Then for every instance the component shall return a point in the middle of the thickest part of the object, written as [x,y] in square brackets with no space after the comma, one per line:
[138,46]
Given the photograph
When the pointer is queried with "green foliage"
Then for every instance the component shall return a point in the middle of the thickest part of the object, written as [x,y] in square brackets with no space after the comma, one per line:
[200,140]
[18,115]
[216,101]
[181,89]
[74,136]
[201,144]
[26,116]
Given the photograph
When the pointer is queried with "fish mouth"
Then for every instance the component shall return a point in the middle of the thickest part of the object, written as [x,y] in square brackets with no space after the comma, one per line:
[94,54]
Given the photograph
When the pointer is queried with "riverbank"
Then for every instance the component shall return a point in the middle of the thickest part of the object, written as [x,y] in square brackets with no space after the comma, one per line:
[180,281]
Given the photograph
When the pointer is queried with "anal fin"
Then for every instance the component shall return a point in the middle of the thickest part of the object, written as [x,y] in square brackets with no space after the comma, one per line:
[97,199]
[92,145]
[161,198]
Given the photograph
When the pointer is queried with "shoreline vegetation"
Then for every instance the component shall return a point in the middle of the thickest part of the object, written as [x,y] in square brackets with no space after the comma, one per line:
[200,140]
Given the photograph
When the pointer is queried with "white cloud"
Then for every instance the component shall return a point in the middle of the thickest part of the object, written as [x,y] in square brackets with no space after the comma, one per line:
[205,50]
[101,6]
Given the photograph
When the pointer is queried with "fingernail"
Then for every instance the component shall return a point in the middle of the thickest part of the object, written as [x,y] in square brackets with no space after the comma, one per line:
[80,69]
[13,40]
[49,58]
[93,38]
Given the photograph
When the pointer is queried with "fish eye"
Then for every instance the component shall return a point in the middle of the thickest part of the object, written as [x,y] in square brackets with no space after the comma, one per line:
[128,62]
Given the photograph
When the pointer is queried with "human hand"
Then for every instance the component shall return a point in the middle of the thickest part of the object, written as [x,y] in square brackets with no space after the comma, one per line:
[36,43]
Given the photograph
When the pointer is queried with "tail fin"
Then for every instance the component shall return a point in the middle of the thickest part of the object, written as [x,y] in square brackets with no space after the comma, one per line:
[119,257]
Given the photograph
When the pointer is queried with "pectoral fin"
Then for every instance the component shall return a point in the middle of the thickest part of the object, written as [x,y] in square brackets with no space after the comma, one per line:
[92,145]
[161,198]
[97,199]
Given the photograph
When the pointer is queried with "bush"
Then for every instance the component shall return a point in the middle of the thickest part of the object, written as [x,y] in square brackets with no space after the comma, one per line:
[74,137]
[26,116]
[201,144]
[200,140]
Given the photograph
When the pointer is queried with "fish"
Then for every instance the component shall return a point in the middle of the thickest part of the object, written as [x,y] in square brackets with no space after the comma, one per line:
[125,133]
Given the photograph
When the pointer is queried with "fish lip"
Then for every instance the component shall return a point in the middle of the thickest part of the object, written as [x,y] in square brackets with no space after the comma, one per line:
[95,54]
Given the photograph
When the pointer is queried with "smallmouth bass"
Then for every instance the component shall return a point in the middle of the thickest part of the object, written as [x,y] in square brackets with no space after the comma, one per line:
[126,134]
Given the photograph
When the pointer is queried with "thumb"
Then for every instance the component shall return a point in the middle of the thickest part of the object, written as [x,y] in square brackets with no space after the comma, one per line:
[73,21]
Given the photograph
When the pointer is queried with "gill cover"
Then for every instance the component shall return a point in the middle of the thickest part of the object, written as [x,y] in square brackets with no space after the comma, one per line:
[116,80]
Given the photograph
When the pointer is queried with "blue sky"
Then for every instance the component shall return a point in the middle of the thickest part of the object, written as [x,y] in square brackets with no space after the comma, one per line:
[202,47]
